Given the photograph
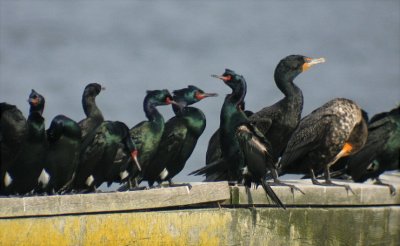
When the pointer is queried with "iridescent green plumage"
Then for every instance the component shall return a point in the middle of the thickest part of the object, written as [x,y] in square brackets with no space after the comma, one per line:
[147,134]
[179,138]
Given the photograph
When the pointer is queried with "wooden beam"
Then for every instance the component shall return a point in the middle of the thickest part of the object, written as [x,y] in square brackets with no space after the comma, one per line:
[114,201]
[364,194]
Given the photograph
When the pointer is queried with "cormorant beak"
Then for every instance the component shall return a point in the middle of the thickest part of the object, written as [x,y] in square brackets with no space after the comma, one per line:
[200,96]
[103,88]
[224,78]
[168,101]
[33,101]
[134,155]
[311,62]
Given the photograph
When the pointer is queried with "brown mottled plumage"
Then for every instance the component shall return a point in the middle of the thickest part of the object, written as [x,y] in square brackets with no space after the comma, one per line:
[334,130]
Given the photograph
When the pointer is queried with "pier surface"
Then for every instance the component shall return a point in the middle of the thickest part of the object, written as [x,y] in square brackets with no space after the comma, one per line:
[211,213]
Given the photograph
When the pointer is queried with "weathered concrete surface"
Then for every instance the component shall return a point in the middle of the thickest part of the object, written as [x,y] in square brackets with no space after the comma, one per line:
[115,201]
[323,216]
[364,193]
[226,226]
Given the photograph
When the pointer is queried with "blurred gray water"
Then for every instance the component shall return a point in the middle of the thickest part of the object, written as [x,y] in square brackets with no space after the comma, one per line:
[57,47]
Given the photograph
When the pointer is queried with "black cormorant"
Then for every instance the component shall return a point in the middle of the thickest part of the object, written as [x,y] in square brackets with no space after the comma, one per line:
[381,151]
[180,136]
[94,117]
[21,175]
[237,137]
[62,157]
[98,161]
[147,134]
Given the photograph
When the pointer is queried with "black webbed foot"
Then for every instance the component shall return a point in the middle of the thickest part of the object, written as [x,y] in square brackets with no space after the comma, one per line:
[277,182]
[392,189]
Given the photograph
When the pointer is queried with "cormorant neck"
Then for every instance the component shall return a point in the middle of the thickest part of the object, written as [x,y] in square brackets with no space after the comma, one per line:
[90,107]
[286,85]
[239,93]
[151,111]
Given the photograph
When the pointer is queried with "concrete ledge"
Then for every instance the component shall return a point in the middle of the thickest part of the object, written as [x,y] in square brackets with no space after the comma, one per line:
[323,216]
[365,194]
[240,226]
[114,201]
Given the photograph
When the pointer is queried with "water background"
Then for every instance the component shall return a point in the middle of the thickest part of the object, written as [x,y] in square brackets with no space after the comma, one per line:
[57,47]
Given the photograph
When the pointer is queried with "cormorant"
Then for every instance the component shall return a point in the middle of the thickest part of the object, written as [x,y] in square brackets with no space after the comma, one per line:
[21,175]
[381,151]
[276,122]
[98,161]
[147,134]
[180,136]
[94,117]
[335,130]
[62,157]
[13,131]
[236,137]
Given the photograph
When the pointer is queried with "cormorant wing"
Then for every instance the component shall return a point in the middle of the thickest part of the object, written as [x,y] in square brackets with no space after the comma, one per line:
[169,147]
[307,137]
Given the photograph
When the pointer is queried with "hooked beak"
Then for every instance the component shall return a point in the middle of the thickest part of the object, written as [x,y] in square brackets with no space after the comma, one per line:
[170,101]
[311,62]
[201,96]
[33,101]
[134,155]
[223,78]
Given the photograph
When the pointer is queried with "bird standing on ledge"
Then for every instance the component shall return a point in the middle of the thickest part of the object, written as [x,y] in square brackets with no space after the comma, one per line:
[238,144]
[94,117]
[381,152]
[180,136]
[335,130]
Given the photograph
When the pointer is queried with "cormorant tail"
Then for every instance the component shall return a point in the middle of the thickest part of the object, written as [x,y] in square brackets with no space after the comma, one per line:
[272,194]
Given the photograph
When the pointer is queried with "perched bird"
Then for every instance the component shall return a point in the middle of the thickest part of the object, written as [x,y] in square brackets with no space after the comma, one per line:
[234,165]
[94,117]
[147,134]
[98,161]
[21,175]
[180,136]
[62,157]
[278,121]
[13,130]
[214,148]
[335,130]
[381,151]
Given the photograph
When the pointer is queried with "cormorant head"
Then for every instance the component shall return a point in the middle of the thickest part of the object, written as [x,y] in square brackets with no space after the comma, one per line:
[159,97]
[231,79]
[191,95]
[93,89]
[291,66]
[36,101]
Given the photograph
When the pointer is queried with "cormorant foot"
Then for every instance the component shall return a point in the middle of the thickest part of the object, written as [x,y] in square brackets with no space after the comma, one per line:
[330,183]
[392,189]
[178,185]
[292,187]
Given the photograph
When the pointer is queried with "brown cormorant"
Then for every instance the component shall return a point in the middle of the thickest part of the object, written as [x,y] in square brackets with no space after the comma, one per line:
[335,130]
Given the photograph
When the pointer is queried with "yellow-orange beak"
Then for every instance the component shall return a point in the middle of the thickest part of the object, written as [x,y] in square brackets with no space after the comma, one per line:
[311,62]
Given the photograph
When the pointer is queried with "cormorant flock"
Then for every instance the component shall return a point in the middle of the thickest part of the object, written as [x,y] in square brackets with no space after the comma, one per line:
[334,140]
